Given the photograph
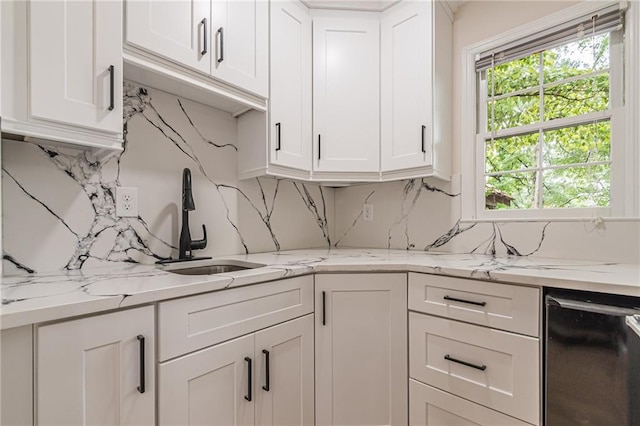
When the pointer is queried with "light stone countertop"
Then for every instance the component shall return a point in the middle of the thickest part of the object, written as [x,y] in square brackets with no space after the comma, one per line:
[29,299]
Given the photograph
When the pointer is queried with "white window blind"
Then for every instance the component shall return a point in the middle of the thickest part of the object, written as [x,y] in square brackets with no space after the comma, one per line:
[606,20]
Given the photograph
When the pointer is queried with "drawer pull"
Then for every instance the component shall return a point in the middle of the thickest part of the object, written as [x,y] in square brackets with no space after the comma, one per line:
[470,302]
[266,354]
[249,381]
[141,388]
[468,364]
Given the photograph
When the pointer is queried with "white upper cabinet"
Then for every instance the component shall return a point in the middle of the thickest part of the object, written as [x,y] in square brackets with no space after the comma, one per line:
[416,86]
[405,72]
[346,102]
[177,30]
[75,59]
[224,39]
[62,71]
[240,38]
[290,97]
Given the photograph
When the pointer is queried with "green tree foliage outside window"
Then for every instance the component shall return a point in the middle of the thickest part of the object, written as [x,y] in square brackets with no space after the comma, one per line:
[549,167]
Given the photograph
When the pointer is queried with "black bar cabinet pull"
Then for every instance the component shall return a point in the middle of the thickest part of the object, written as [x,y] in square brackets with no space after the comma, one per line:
[266,386]
[470,302]
[319,146]
[277,136]
[205,48]
[221,37]
[423,129]
[111,87]
[324,312]
[468,364]
[249,381]
[141,342]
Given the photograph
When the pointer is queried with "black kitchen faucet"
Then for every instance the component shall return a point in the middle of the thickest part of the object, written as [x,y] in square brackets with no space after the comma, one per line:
[186,244]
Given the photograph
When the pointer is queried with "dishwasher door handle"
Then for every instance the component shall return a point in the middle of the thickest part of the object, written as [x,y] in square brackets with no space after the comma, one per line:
[595,308]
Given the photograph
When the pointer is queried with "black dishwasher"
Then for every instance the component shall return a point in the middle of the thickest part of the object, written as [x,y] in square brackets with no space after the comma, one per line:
[592,359]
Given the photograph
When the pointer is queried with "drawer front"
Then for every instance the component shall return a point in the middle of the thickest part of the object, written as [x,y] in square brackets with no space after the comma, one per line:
[507,307]
[431,406]
[195,322]
[494,368]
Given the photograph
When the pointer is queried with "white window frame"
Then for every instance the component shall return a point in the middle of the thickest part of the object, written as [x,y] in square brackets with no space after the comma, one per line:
[625,179]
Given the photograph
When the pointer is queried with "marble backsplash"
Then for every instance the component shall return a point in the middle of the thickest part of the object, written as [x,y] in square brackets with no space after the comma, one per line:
[424,214]
[59,211]
[59,205]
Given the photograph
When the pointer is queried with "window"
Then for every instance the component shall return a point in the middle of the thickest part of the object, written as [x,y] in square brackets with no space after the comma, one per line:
[549,120]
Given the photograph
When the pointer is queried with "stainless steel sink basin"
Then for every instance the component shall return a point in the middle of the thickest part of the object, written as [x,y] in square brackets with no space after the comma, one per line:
[208,267]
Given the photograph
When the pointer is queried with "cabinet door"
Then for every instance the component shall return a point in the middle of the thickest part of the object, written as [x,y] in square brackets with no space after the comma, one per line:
[208,387]
[361,349]
[89,370]
[286,395]
[240,35]
[406,97]
[179,30]
[346,104]
[72,45]
[290,97]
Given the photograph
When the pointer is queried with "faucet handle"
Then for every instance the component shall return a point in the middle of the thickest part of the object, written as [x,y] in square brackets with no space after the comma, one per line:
[200,244]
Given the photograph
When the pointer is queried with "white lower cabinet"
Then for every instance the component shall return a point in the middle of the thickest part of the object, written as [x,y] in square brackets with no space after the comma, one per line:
[208,387]
[466,372]
[264,378]
[433,407]
[97,370]
[361,349]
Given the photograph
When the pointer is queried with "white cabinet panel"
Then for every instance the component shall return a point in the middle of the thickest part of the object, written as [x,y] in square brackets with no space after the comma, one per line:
[290,97]
[494,368]
[432,407]
[406,93]
[240,37]
[361,343]
[89,370]
[346,95]
[177,30]
[208,387]
[72,45]
[287,397]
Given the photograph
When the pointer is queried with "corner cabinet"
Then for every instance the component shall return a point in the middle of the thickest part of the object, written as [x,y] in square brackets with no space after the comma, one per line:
[416,85]
[361,349]
[97,370]
[346,102]
[60,87]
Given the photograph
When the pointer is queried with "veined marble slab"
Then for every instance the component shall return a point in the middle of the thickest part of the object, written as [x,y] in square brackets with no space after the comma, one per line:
[34,298]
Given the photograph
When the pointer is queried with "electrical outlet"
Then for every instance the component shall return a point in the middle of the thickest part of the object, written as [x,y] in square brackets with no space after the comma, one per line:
[126,202]
[367,212]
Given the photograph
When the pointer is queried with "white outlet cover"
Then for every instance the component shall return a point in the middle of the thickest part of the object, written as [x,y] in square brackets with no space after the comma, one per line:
[367,212]
[126,202]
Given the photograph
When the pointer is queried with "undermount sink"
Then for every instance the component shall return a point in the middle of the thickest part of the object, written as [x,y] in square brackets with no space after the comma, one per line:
[208,267]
